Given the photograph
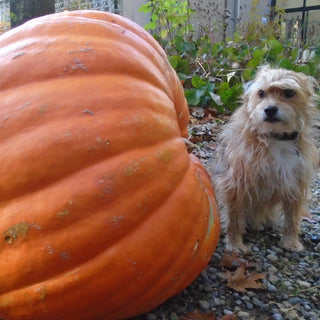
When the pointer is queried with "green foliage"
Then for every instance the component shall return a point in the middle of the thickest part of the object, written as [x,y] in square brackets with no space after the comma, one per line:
[224,67]
[169,19]
[199,94]
[213,73]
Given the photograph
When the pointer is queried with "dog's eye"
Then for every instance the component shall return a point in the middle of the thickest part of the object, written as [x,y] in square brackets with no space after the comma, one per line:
[288,93]
[261,94]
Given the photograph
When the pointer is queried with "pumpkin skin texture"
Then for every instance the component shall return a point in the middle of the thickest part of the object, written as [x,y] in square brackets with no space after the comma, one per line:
[103,213]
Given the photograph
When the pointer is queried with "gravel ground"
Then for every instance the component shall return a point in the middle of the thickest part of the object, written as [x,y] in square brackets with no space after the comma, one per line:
[291,288]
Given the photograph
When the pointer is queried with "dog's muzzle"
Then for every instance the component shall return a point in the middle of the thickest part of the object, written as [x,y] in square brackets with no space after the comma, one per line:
[271,114]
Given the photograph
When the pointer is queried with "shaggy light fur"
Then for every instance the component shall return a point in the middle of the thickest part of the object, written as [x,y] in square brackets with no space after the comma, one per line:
[267,157]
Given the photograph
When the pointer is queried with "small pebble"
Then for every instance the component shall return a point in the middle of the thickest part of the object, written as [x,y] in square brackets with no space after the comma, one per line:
[243,314]
[274,279]
[227,311]
[257,302]
[276,249]
[251,294]
[249,305]
[151,316]
[238,302]
[287,304]
[174,316]
[204,304]
[272,269]
[271,287]
[272,257]
[292,315]
[303,284]
[307,307]
[217,302]
[294,300]
[277,316]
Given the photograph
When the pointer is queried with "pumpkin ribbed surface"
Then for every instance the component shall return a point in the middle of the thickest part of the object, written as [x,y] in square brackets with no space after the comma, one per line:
[103,213]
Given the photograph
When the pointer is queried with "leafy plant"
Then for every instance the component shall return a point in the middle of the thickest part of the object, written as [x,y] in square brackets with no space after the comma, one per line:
[169,18]
[200,93]
[213,73]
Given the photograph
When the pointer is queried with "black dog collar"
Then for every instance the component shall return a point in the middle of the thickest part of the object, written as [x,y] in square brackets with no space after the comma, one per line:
[286,136]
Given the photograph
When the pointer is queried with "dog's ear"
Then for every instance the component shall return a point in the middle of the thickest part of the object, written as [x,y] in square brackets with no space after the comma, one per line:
[246,86]
[313,88]
[308,83]
[313,85]
[315,93]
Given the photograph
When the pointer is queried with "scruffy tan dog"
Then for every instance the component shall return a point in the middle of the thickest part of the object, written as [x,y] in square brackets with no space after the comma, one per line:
[267,157]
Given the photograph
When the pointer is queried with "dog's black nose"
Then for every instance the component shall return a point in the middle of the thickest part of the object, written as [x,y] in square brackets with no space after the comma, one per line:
[271,111]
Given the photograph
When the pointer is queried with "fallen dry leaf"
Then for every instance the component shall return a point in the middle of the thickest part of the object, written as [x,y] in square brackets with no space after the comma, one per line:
[232,261]
[239,281]
[229,317]
[198,315]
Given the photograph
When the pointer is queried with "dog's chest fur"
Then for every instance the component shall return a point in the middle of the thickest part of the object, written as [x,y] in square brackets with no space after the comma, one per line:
[285,155]
[284,168]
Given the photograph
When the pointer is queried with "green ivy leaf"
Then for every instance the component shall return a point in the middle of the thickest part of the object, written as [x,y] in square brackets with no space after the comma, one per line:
[237,37]
[205,101]
[259,54]
[285,63]
[224,86]
[304,68]
[248,74]
[183,76]
[174,61]
[275,46]
[163,33]
[151,25]
[197,82]
[210,86]
[145,8]
[183,66]
[225,95]
[253,63]
[294,54]
[193,96]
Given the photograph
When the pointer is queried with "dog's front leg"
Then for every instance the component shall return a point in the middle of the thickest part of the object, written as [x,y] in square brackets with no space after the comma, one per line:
[291,227]
[235,229]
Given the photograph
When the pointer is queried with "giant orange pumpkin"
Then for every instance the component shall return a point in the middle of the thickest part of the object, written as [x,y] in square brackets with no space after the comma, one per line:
[103,213]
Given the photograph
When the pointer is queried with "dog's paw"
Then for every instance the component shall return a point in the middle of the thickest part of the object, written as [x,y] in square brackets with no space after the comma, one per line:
[238,247]
[293,245]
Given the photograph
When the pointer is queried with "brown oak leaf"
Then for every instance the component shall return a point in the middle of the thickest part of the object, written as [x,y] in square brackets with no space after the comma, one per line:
[232,261]
[198,315]
[240,281]
[229,317]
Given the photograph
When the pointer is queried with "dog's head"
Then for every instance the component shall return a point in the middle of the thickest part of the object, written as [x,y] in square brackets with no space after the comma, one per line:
[280,101]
